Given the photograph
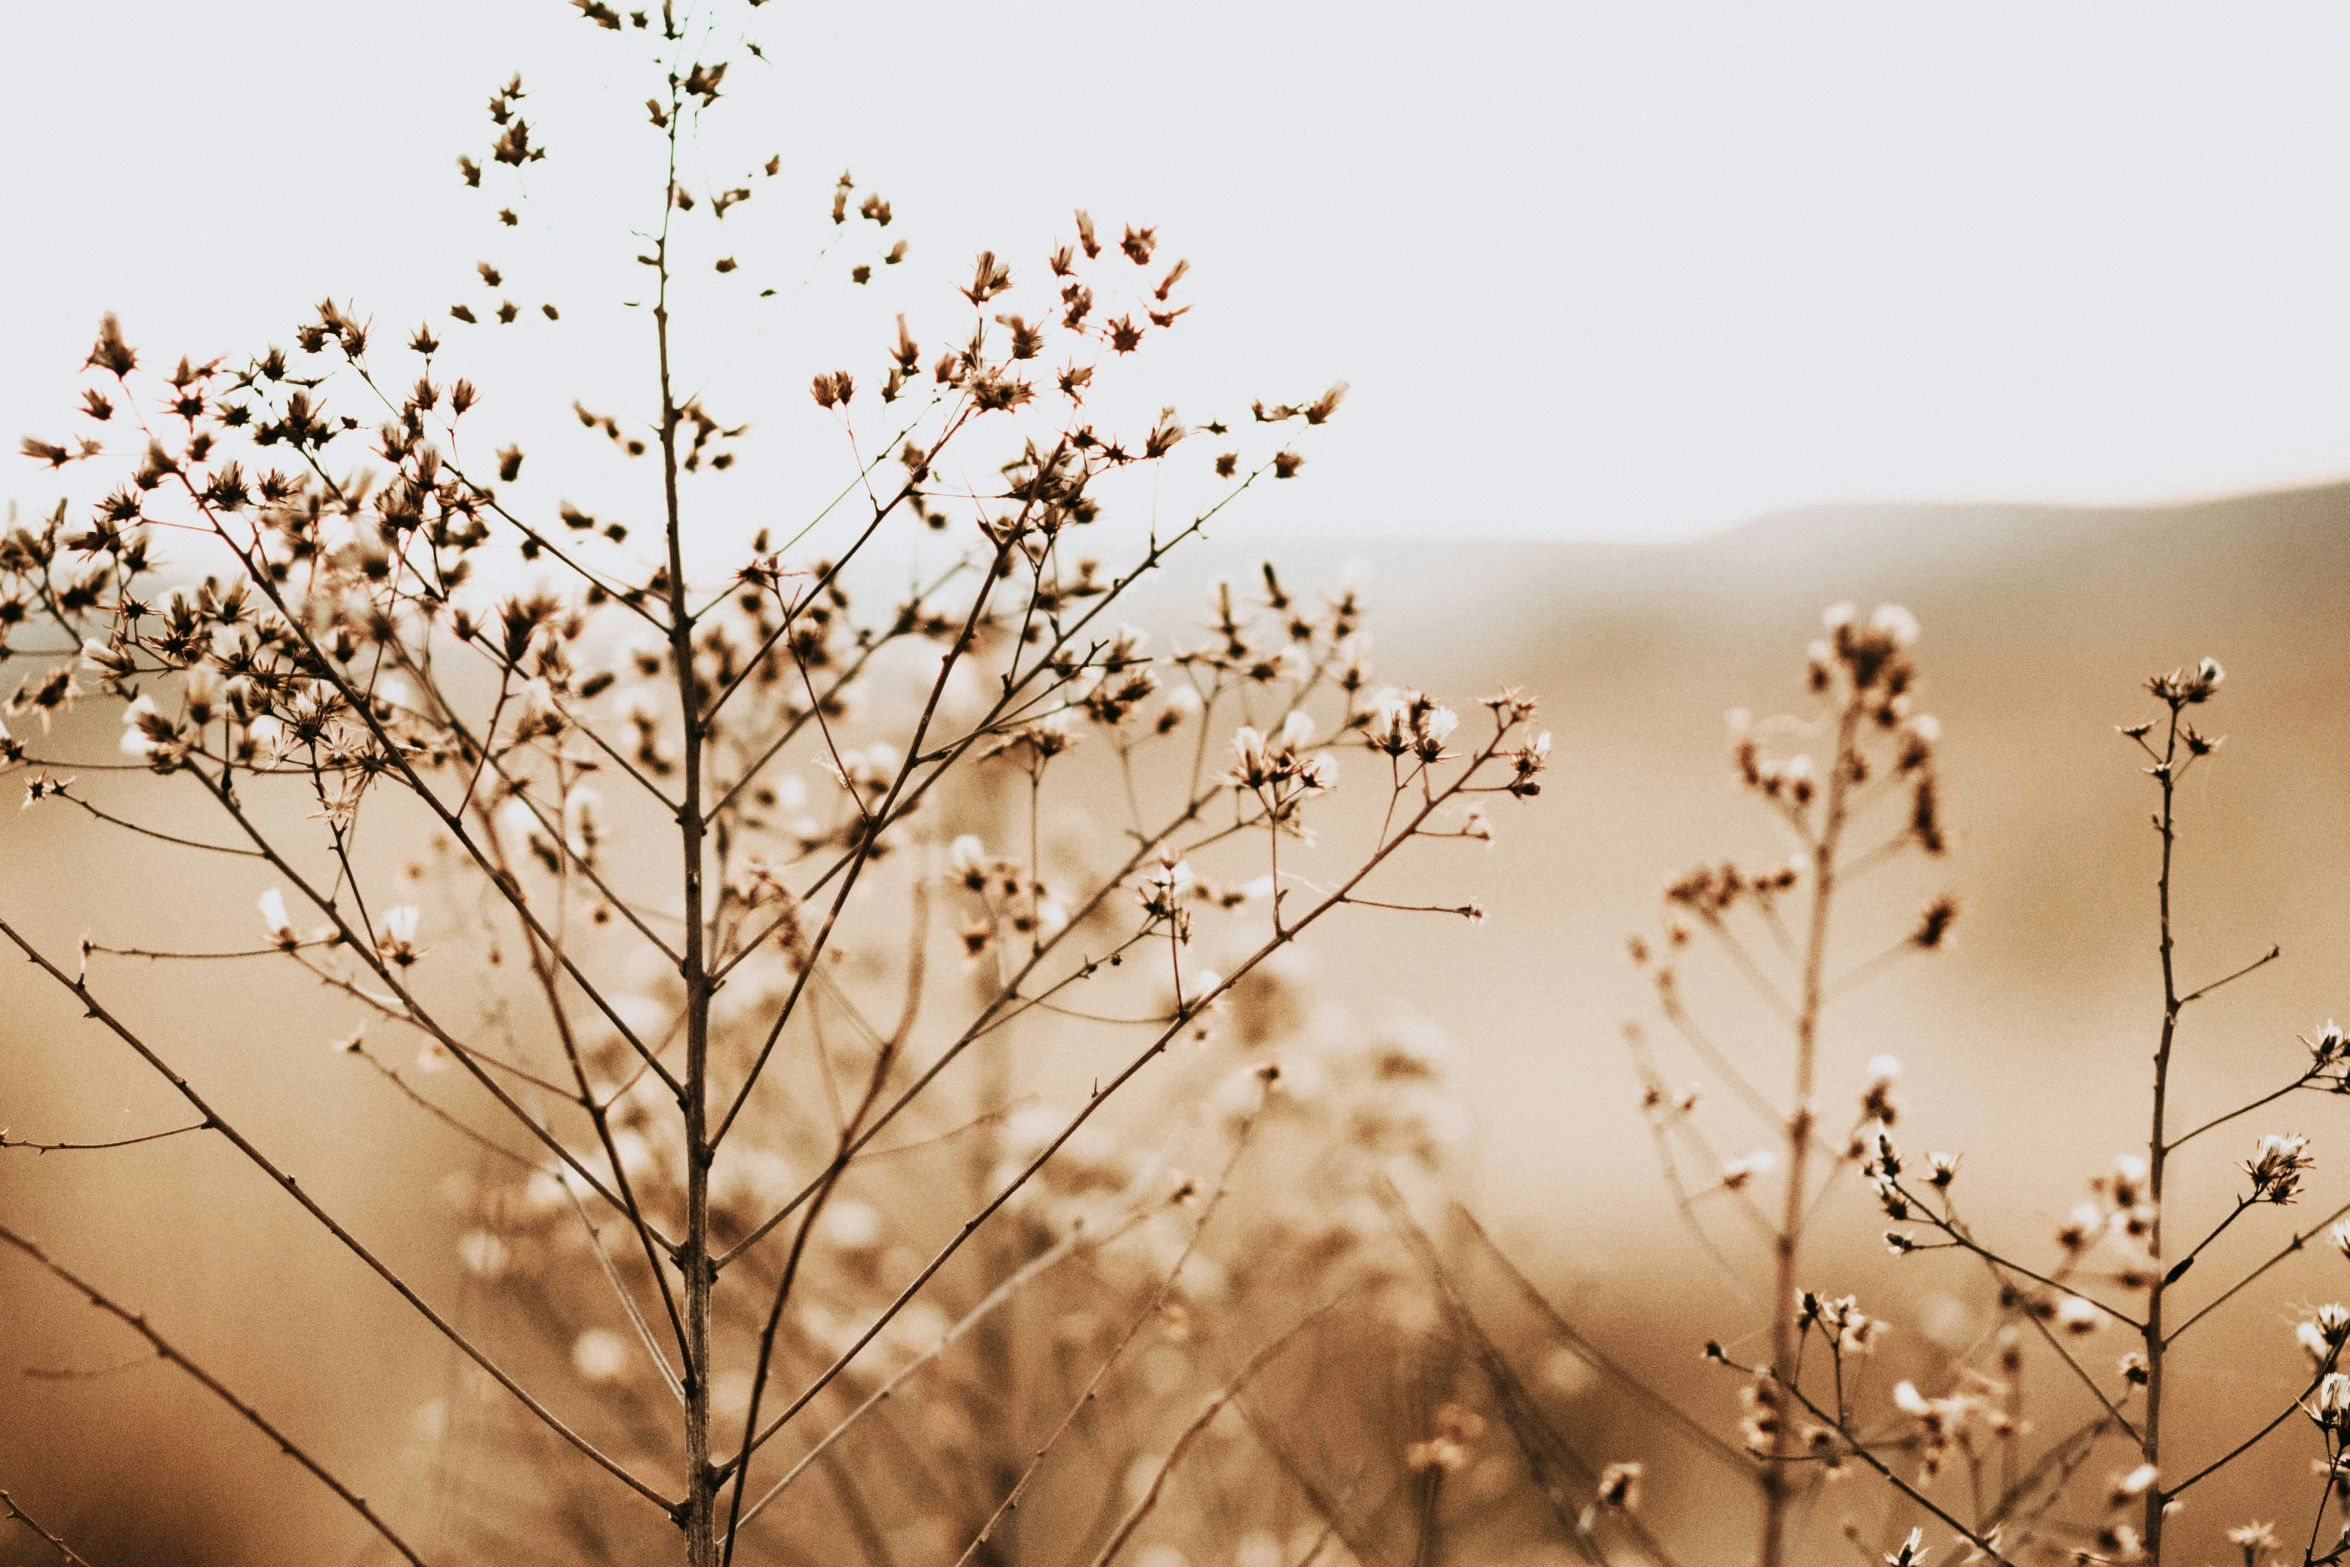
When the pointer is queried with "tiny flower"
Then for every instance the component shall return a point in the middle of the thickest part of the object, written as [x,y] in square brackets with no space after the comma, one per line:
[2323,1333]
[1895,622]
[600,1354]
[1619,1486]
[482,1253]
[2276,1167]
[274,921]
[1737,1174]
[2077,1316]
[396,942]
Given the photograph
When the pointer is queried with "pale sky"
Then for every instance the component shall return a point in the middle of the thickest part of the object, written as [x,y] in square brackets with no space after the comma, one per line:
[1628,271]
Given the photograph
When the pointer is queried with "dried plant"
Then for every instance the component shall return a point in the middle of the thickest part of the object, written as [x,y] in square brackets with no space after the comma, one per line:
[738,927]
[2112,1265]
[2085,1470]
[1853,786]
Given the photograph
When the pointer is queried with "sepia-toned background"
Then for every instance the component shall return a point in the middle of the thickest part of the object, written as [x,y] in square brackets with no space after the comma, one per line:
[1622,296]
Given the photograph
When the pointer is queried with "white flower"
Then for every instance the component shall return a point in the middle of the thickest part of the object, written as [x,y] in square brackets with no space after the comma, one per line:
[2076,1315]
[967,855]
[273,919]
[852,1225]
[396,939]
[483,1253]
[1896,623]
[600,1354]
[136,740]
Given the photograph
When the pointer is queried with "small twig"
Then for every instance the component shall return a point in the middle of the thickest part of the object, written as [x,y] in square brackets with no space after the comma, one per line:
[7,1141]
[2261,962]
[64,1550]
[211,1384]
[2287,1250]
[327,1221]
[1884,1470]
[1240,1379]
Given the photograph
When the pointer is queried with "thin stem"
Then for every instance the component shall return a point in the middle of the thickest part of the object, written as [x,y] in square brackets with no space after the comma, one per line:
[350,1242]
[1786,1441]
[2185,1138]
[2287,1250]
[64,1551]
[1240,1379]
[7,1141]
[2157,1145]
[213,1385]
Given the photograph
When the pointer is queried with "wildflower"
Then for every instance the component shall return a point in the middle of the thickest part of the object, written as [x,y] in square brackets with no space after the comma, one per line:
[1877,1102]
[396,942]
[2340,1236]
[2276,1168]
[852,1225]
[599,1354]
[41,787]
[149,734]
[2079,1317]
[2323,1333]
[2129,1176]
[2134,1484]
[274,921]
[1447,1449]
[1934,922]
[2180,688]
[1528,762]
[2255,1540]
[1164,889]
[483,1254]
[1738,1174]
[2329,1406]
[2328,1048]
[51,695]
[1619,1486]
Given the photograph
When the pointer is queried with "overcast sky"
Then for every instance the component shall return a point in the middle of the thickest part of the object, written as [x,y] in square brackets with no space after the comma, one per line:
[1638,270]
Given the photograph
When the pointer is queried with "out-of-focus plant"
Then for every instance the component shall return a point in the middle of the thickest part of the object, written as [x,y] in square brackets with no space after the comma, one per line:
[2088,1469]
[2107,1488]
[1853,785]
[725,896]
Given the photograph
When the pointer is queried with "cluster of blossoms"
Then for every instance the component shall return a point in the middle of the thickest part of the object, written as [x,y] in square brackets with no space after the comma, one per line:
[827,950]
